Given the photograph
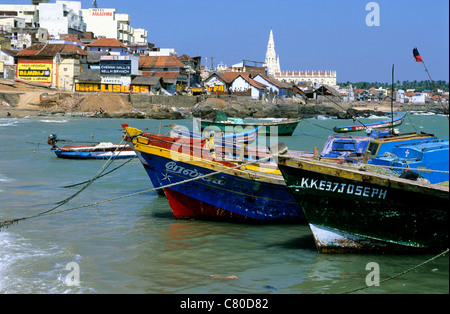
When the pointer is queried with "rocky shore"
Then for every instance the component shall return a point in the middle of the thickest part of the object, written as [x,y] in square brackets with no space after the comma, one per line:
[31,101]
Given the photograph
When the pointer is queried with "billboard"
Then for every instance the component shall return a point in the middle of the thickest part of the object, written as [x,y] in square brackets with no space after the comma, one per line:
[41,72]
[115,67]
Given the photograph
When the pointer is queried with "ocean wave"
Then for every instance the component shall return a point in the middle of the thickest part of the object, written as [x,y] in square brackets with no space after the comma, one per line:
[53,121]
[27,268]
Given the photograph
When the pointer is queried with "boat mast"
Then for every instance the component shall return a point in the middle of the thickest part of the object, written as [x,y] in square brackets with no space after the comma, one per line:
[392,102]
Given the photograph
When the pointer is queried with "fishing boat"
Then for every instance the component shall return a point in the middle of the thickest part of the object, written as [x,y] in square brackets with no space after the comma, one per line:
[351,209]
[354,149]
[102,150]
[273,127]
[385,124]
[241,137]
[199,186]
[429,159]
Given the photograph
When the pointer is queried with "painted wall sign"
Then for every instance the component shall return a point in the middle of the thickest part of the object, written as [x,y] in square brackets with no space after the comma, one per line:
[35,72]
[102,12]
[122,67]
[110,88]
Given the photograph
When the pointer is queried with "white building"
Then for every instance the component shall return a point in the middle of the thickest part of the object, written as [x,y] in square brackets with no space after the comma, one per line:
[110,24]
[272,64]
[62,17]
[28,12]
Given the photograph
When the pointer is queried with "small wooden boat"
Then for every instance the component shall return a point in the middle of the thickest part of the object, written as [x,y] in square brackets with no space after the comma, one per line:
[385,124]
[242,137]
[273,127]
[234,194]
[355,210]
[101,150]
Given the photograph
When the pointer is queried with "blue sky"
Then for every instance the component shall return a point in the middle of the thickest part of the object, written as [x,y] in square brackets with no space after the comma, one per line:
[309,35]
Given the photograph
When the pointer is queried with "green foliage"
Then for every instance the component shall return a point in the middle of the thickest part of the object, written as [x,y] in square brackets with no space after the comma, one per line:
[418,86]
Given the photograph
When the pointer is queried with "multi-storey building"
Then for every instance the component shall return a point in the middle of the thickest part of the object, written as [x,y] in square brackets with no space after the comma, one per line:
[110,24]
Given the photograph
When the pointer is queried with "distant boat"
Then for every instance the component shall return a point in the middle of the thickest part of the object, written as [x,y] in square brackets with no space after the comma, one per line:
[281,127]
[385,124]
[241,137]
[101,150]
[351,210]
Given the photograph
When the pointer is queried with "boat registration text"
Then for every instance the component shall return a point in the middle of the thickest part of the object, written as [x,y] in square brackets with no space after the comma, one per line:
[337,187]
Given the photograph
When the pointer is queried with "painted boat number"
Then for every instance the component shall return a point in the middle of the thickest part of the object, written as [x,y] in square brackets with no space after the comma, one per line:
[336,187]
[172,167]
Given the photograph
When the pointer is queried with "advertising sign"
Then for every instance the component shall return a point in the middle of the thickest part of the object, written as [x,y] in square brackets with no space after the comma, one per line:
[35,72]
[115,67]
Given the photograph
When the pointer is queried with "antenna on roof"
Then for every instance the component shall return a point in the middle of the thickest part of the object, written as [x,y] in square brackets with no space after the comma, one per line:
[94,4]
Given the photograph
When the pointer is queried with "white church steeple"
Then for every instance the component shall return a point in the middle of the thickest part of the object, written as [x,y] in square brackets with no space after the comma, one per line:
[272,60]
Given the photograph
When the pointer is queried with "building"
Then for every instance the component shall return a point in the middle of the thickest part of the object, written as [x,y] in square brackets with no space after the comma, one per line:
[7,63]
[274,86]
[272,64]
[27,12]
[110,24]
[111,45]
[62,17]
[309,77]
[244,85]
[174,73]
[53,65]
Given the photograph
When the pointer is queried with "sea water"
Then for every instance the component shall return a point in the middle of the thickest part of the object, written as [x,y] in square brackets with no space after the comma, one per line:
[135,245]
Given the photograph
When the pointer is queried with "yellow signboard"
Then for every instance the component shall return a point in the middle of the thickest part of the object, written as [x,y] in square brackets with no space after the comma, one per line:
[110,88]
[35,72]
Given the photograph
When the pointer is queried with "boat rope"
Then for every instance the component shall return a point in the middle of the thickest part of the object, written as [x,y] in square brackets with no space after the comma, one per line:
[355,118]
[402,273]
[98,177]
[8,223]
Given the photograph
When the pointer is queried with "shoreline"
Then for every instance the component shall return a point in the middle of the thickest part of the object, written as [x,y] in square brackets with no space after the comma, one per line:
[310,110]
[23,101]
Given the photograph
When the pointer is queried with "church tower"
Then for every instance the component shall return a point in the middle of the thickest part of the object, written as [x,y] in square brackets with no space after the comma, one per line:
[272,61]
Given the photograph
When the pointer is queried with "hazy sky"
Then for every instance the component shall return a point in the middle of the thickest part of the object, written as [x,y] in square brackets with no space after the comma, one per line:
[309,35]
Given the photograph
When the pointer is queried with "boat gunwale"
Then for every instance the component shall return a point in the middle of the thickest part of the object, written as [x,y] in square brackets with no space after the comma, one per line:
[357,174]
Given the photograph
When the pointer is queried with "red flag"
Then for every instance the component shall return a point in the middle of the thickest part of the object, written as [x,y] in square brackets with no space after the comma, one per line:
[417,55]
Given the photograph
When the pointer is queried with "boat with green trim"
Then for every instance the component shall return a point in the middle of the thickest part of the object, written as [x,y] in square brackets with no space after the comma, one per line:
[352,209]
[272,127]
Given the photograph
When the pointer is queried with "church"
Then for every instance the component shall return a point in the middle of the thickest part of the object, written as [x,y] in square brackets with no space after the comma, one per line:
[272,63]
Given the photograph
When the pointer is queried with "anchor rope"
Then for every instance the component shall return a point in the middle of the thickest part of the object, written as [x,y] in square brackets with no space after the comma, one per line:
[7,223]
[104,174]
[402,273]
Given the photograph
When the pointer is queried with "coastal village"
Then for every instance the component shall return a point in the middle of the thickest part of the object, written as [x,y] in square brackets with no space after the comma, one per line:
[63,49]
[228,206]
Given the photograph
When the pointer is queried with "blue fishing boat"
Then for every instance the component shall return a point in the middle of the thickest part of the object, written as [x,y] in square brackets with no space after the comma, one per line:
[429,159]
[376,143]
[229,193]
[101,150]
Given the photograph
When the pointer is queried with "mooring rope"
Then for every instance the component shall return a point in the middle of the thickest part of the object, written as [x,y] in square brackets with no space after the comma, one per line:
[87,181]
[402,273]
[8,223]
[60,203]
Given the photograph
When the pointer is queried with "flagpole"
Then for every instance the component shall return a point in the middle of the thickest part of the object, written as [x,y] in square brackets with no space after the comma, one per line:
[435,89]
[419,58]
